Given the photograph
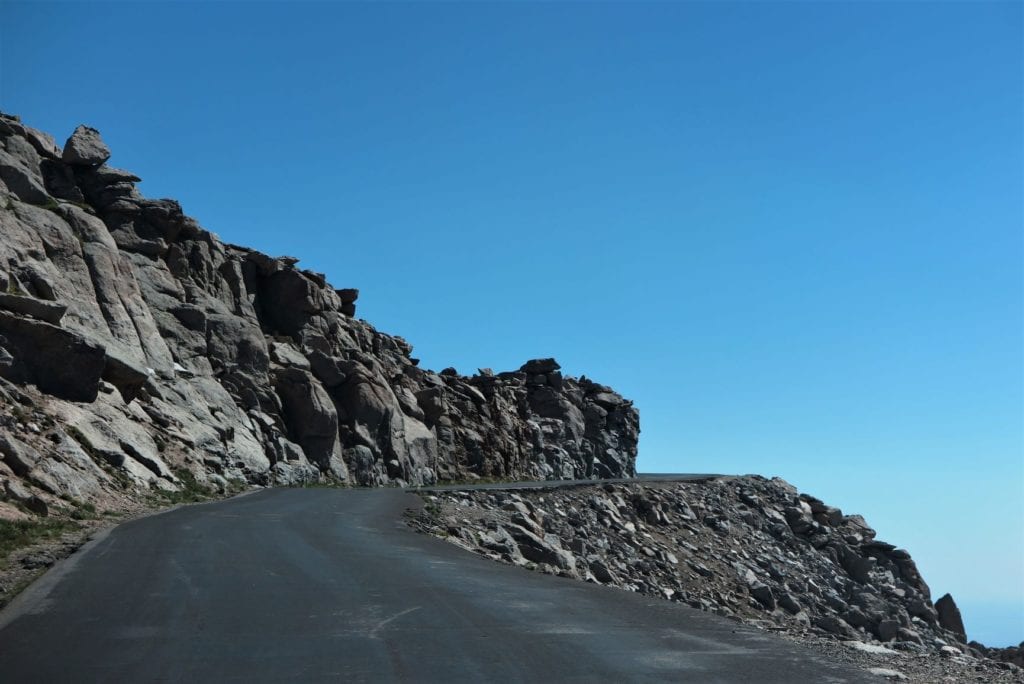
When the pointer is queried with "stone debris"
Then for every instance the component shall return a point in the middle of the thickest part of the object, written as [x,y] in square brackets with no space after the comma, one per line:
[747,548]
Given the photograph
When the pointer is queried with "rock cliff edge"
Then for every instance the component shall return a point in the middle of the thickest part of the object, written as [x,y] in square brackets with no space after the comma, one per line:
[137,348]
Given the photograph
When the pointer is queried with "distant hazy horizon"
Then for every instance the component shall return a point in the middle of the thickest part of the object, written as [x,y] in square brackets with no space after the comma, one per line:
[790,232]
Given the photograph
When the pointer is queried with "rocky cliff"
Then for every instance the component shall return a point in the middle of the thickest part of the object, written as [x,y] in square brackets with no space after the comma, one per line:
[135,345]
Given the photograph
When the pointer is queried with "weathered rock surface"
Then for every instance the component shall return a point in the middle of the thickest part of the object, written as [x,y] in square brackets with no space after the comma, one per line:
[744,547]
[51,312]
[141,344]
[85,147]
[949,616]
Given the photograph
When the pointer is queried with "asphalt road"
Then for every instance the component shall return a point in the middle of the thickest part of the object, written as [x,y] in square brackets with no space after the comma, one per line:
[559,484]
[326,585]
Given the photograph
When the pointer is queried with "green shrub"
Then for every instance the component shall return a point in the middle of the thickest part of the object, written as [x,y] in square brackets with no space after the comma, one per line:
[191,490]
[82,440]
[84,511]
[16,534]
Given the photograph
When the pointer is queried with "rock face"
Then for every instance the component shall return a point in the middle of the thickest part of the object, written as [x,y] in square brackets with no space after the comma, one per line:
[156,346]
[744,547]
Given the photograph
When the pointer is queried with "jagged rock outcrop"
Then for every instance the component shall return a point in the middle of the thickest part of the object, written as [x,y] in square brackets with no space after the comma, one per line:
[949,616]
[158,346]
[1011,655]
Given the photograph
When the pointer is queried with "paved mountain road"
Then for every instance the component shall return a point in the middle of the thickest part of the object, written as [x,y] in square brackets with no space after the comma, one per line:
[326,585]
[559,484]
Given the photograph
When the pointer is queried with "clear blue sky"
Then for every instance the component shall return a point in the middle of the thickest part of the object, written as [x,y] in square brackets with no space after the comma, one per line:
[791,232]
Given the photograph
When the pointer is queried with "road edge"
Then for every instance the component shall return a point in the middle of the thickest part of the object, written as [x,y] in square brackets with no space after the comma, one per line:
[38,590]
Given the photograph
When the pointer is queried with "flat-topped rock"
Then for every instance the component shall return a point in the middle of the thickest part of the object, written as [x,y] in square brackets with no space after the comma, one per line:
[51,312]
[85,147]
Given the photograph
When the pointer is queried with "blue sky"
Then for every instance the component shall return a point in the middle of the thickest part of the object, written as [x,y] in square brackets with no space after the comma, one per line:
[791,232]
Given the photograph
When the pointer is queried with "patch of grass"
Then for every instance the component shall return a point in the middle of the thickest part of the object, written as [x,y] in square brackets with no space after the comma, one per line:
[123,480]
[22,414]
[50,204]
[326,483]
[17,534]
[19,587]
[476,481]
[191,490]
[83,441]
[84,511]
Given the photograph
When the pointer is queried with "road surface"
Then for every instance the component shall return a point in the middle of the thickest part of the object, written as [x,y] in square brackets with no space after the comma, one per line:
[328,585]
[559,484]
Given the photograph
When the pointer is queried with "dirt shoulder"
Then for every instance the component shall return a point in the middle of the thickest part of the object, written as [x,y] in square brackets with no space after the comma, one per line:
[31,544]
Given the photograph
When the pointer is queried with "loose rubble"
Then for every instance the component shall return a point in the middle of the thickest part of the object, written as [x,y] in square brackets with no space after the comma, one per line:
[748,548]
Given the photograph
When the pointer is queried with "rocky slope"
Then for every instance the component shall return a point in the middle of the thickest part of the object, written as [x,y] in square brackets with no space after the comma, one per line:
[135,344]
[743,547]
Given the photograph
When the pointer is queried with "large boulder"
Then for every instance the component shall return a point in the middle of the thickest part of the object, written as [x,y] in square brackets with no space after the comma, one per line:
[85,147]
[51,312]
[58,361]
[538,366]
[124,373]
[539,549]
[19,457]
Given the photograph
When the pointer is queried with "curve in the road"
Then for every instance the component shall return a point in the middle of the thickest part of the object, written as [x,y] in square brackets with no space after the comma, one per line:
[324,585]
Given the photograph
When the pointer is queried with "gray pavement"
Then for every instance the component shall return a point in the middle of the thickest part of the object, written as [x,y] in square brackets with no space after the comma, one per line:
[558,484]
[327,585]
